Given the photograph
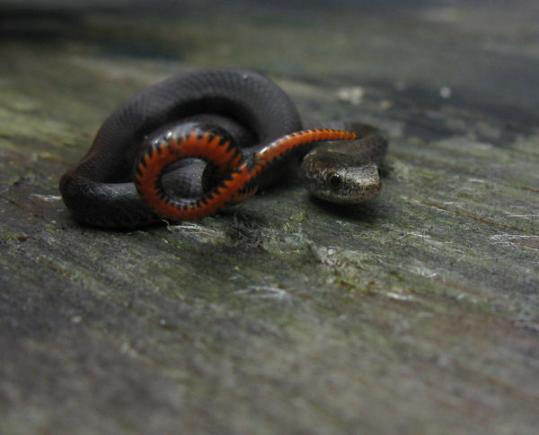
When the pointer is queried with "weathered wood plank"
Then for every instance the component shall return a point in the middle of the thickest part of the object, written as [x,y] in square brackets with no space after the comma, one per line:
[416,313]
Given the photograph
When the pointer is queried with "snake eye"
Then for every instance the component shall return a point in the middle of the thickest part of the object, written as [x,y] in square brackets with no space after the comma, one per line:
[334,180]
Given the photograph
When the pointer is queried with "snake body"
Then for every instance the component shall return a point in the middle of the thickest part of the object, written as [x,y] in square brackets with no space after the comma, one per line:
[239,121]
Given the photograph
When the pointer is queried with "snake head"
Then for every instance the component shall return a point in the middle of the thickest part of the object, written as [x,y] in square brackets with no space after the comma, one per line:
[343,184]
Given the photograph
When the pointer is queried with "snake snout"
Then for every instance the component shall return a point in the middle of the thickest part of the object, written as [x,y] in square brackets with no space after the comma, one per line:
[364,182]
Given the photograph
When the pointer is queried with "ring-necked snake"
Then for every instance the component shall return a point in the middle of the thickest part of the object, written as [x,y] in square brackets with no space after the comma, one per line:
[241,123]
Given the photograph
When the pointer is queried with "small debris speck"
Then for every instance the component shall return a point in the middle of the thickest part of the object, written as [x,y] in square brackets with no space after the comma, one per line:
[445,92]
[353,95]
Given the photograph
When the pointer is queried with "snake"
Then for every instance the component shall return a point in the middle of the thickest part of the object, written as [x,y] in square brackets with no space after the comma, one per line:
[145,163]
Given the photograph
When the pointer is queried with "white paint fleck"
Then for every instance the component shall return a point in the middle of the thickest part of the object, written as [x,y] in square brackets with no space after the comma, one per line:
[353,95]
[46,198]
[480,146]
[424,271]
[127,349]
[445,92]
[195,228]
[421,236]
[508,239]
[264,292]
[399,296]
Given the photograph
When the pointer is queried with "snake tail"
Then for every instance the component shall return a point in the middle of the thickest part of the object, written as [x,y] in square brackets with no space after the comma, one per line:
[237,174]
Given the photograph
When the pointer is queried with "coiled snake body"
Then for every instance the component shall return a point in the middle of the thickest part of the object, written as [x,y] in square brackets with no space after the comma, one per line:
[240,122]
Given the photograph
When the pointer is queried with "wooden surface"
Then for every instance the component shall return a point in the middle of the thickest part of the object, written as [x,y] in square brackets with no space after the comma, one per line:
[415,313]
